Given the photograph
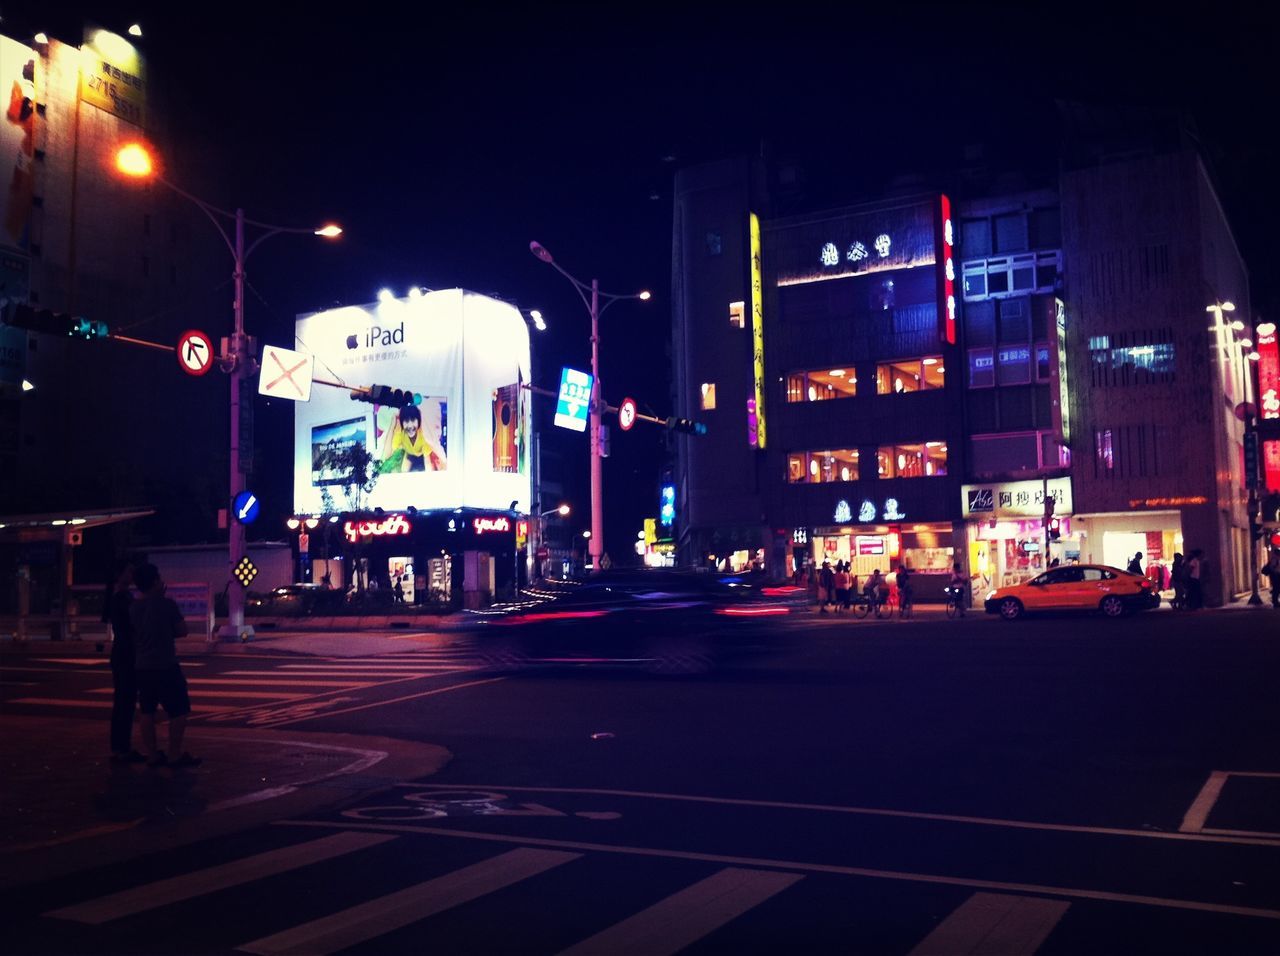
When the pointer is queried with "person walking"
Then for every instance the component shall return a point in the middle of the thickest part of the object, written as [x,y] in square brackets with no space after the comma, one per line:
[1178,581]
[1195,580]
[157,624]
[959,584]
[124,678]
[1135,566]
[1272,572]
[842,587]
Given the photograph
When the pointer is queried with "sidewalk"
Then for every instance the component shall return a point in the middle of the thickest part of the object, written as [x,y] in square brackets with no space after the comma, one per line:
[67,807]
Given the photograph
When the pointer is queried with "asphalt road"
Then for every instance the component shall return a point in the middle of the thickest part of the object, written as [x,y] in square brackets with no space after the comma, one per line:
[1059,785]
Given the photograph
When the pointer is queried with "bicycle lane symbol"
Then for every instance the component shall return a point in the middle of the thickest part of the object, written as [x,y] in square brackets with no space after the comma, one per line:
[433,803]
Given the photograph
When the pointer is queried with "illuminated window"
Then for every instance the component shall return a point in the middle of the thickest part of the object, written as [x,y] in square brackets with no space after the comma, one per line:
[738,315]
[1104,464]
[708,396]
[910,375]
[1044,360]
[822,384]
[1010,275]
[982,368]
[1013,365]
[1132,358]
[925,460]
[820,467]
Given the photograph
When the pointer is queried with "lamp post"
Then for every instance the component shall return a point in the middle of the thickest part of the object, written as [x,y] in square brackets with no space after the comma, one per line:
[134,161]
[596,309]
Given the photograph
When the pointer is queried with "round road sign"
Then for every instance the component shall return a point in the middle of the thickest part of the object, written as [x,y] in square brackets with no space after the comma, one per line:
[195,352]
[627,414]
[245,507]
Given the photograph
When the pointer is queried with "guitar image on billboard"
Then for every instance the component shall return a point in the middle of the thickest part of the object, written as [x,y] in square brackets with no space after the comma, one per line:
[506,428]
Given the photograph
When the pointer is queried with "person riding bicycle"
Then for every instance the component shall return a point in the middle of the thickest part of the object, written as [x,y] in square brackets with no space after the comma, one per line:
[877,588]
[905,591]
[959,586]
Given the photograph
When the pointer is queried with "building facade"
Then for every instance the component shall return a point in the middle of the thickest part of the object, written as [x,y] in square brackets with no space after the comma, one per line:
[1056,393]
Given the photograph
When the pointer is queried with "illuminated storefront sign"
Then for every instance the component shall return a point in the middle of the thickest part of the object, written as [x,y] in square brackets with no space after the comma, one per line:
[1269,397]
[868,512]
[862,242]
[946,275]
[757,331]
[395,524]
[843,512]
[1062,401]
[112,75]
[500,523]
[667,506]
[1167,502]
[869,544]
[1015,499]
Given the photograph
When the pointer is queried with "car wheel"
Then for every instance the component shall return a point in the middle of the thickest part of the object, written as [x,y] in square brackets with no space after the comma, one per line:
[1011,609]
[1112,606]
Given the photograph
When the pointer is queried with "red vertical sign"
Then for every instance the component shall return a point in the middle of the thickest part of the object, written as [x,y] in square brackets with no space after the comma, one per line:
[1269,397]
[946,274]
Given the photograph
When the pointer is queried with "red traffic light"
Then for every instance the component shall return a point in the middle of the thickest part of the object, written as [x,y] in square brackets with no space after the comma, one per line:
[1275,539]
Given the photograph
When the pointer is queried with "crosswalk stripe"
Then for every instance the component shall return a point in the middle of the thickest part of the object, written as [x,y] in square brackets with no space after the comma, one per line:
[345,673]
[214,878]
[376,917]
[280,682]
[994,924]
[356,668]
[685,917]
[62,702]
[250,692]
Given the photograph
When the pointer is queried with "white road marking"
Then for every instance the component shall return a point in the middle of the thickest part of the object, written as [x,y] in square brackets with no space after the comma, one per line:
[685,917]
[72,660]
[753,862]
[377,917]
[262,694]
[394,700]
[993,924]
[1198,812]
[870,811]
[201,882]
[278,683]
[59,702]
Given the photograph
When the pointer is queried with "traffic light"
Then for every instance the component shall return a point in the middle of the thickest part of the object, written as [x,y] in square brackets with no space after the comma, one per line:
[1055,529]
[386,395]
[46,321]
[686,425]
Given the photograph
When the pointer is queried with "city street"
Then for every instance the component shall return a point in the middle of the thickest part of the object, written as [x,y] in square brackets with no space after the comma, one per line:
[1055,785]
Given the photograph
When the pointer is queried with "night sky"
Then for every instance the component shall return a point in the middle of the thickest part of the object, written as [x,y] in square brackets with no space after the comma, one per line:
[445,141]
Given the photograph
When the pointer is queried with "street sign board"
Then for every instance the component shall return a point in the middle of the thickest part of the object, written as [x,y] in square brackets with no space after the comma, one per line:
[246,507]
[627,414]
[195,352]
[286,374]
[574,403]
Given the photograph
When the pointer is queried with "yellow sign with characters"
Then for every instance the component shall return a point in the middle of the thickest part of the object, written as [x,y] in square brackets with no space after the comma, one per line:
[650,531]
[112,75]
[757,327]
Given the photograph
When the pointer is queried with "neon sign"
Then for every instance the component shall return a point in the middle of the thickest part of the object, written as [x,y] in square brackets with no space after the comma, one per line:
[757,326]
[843,512]
[395,524]
[891,512]
[947,281]
[501,523]
[1269,397]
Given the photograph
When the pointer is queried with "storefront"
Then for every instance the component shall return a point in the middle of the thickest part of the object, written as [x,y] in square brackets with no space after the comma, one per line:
[926,548]
[1115,538]
[459,557]
[1012,535]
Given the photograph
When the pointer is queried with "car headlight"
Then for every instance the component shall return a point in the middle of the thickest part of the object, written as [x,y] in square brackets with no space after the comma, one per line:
[991,595]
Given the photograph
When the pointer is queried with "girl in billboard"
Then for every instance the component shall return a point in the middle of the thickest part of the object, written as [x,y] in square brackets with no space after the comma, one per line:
[406,447]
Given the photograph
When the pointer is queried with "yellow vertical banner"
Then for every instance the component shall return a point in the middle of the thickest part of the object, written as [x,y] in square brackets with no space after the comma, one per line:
[757,328]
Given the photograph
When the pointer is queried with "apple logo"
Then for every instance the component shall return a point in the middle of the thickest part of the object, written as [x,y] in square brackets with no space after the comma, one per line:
[353,342]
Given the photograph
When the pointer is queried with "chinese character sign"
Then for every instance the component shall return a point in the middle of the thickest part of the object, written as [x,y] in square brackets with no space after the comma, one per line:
[574,404]
[1269,397]
[757,327]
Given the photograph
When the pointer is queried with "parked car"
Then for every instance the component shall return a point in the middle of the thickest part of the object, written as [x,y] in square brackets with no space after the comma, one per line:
[662,621]
[1076,587]
[295,600]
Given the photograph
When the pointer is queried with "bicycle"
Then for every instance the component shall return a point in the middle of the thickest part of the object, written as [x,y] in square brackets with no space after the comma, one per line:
[906,603]
[955,601]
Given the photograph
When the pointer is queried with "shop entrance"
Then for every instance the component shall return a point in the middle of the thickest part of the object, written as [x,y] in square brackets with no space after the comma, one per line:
[400,573]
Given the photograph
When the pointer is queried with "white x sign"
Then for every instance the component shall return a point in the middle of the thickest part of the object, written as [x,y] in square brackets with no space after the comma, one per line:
[286,374]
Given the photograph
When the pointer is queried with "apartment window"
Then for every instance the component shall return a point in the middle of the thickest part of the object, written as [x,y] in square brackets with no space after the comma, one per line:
[1011,232]
[1014,324]
[1013,365]
[819,467]
[1044,359]
[982,368]
[1104,462]
[738,315]
[1132,358]
[708,396]
[1012,453]
[910,375]
[1003,276]
[975,237]
[925,460]
[820,385]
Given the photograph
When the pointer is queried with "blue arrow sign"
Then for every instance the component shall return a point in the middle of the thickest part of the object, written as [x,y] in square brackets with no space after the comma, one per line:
[246,507]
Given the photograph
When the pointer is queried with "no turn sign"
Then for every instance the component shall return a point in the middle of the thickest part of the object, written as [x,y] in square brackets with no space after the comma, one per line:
[195,352]
[627,414]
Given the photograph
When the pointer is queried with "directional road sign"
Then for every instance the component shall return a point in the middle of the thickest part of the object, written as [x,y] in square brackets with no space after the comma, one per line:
[195,352]
[575,400]
[286,374]
[627,414]
[246,507]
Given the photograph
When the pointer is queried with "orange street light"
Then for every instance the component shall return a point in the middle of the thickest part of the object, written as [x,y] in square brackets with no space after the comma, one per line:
[134,160]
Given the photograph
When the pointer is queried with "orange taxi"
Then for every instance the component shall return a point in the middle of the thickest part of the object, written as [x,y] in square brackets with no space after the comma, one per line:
[1076,587]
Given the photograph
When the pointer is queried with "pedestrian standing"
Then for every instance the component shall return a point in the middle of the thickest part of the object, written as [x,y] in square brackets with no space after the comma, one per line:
[157,624]
[1178,581]
[1135,566]
[124,680]
[1272,572]
[842,587]
[826,586]
[1195,580]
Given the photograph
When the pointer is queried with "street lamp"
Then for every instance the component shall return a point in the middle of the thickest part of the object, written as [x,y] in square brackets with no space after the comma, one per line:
[596,309]
[135,161]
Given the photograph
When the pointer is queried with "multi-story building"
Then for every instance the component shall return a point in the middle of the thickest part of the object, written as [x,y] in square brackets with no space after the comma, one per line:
[816,348]
[1080,409]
